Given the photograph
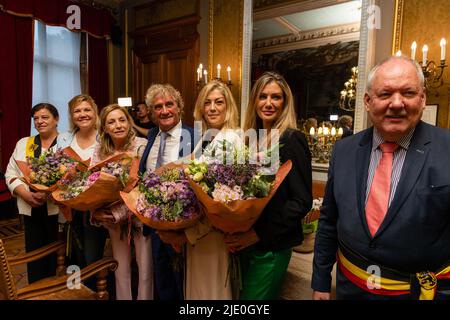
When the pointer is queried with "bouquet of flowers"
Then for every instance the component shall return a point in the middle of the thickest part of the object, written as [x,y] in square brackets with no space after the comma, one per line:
[233,191]
[46,171]
[100,184]
[163,200]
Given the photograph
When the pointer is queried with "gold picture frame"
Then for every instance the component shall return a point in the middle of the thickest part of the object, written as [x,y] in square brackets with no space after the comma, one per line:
[398,23]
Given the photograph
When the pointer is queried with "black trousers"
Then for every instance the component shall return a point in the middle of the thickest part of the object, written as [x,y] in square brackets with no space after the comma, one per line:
[40,230]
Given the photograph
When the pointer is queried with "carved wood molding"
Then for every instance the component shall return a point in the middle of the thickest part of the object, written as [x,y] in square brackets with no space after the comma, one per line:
[177,34]
[311,38]
[267,9]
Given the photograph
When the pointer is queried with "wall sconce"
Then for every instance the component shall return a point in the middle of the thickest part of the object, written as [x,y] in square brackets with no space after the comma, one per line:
[348,95]
[203,78]
[431,71]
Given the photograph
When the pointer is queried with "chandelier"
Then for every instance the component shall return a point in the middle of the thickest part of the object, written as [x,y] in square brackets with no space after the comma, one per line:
[348,95]
[321,142]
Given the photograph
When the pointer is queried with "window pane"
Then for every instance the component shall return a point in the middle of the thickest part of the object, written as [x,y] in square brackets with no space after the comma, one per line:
[56,69]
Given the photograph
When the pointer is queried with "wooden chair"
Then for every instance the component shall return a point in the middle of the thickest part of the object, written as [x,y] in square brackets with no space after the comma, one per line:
[52,288]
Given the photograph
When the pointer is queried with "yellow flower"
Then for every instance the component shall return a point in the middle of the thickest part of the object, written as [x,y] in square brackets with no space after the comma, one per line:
[62,168]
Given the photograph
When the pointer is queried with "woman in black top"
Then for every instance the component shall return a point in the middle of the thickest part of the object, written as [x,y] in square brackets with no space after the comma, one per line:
[266,249]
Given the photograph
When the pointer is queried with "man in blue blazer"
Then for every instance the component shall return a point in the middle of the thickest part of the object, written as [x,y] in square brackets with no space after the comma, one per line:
[396,248]
[168,142]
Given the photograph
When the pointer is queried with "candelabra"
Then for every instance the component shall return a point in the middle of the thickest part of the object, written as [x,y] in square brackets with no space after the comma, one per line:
[348,95]
[321,142]
[202,76]
[432,72]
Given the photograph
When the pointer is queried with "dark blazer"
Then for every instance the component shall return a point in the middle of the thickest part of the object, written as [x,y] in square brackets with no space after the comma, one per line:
[151,139]
[280,224]
[415,233]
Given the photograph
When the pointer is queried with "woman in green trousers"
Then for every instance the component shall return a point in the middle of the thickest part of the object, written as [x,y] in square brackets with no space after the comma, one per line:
[266,249]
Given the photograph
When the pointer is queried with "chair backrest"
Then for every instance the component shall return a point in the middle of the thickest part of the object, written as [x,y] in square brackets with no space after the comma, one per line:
[7,286]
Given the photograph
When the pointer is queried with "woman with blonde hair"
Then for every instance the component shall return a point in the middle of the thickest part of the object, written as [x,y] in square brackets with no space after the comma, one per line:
[88,241]
[117,136]
[207,255]
[266,249]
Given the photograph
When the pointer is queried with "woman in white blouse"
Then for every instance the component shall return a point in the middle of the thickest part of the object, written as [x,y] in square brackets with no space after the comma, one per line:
[40,215]
[207,255]
[88,241]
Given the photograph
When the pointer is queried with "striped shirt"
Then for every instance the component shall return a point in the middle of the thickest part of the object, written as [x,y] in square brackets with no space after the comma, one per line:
[399,159]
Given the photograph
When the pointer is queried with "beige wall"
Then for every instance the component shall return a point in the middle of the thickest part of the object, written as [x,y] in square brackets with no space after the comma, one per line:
[426,22]
[225,47]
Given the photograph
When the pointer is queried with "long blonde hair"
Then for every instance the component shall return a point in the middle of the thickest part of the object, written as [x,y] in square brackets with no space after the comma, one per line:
[105,141]
[74,102]
[287,119]
[231,112]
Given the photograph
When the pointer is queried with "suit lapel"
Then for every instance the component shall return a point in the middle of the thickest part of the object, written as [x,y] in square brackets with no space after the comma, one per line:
[151,139]
[362,168]
[412,167]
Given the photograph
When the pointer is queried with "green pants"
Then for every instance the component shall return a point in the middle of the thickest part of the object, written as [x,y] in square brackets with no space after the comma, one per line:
[263,273]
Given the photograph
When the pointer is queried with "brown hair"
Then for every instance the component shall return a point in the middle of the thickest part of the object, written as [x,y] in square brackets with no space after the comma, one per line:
[105,141]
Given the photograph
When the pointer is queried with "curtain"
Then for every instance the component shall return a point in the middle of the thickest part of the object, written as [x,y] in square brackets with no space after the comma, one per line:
[16,70]
[98,71]
[16,59]
[54,12]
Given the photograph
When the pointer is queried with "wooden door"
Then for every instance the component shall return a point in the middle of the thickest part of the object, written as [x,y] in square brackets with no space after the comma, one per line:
[167,53]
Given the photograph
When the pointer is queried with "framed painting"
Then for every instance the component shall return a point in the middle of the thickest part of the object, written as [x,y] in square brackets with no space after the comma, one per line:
[430,114]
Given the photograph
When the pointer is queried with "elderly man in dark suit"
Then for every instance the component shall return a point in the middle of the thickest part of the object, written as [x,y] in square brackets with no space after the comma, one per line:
[168,142]
[386,213]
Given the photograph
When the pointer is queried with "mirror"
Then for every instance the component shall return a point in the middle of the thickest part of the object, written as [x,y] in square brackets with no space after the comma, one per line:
[314,45]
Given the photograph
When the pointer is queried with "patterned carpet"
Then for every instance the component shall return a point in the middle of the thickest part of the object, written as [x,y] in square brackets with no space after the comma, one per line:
[10,228]
[296,285]
[11,232]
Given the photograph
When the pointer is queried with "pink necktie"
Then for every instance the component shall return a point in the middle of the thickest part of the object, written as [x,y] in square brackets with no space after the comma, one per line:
[377,204]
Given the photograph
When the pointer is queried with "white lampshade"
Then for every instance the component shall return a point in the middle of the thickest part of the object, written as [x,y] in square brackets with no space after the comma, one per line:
[125,102]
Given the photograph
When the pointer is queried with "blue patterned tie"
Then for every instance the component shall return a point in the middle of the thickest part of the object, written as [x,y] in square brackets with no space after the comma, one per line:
[162,146]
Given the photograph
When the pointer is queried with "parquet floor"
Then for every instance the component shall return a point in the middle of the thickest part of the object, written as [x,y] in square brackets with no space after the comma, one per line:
[296,285]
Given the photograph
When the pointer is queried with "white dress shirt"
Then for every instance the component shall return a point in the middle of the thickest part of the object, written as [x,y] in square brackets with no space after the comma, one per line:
[13,174]
[172,149]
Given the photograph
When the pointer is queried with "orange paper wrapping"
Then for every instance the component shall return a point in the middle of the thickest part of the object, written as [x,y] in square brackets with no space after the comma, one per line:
[82,164]
[238,215]
[24,167]
[133,175]
[130,200]
[104,190]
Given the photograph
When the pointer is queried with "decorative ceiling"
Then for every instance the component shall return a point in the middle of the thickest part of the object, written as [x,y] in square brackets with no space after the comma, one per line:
[295,23]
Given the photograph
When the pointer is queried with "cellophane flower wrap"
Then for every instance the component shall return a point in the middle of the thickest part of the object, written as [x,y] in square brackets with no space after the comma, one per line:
[164,200]
[100,184]
[233,190]
[46,172]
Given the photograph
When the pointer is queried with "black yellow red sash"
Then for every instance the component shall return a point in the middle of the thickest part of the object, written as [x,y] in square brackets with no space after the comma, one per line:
[383,286]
